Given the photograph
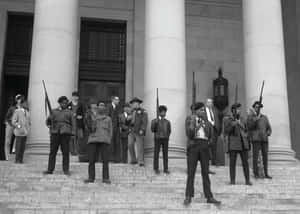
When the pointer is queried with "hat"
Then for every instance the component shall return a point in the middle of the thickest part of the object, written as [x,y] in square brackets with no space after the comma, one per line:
[115,98]
[75,94]
[257,103]
[136,100]
[162,108]
[235,106]
[198,105]
[19,97]
[62,98]
[126,105]
[101,105]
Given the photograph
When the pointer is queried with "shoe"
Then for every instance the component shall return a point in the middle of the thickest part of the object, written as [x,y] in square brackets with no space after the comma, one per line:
[157,171]
[141,164]
[167,172]
[211,172]
[187,200]
[232,182]
[248,183]
[213,201]
[67,173]
[88,181]
[47,172]
[106,181]
[268,176]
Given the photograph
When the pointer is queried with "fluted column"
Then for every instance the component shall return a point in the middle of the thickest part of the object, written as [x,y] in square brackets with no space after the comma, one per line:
[165,67]
[53,59]
[264,60]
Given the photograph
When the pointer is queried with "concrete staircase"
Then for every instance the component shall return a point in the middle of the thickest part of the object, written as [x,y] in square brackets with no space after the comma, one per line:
[23,189]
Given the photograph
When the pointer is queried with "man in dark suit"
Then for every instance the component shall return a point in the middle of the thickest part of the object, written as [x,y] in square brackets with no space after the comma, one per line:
[78,111]
[259,132]
[113,112]
[199,131]
[137,133]
[124,122]
[235,129]
[62,126]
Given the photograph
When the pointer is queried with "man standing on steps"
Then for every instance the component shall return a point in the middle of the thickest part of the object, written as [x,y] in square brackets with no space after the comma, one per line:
[113,112]
[199,131]
[161,127]
[235,129]
[62,126]
[259,132]
[137,131]
[213,119]
[124,121]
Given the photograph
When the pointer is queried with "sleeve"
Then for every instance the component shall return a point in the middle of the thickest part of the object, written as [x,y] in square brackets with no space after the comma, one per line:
[144,122]
[154,125]
[169,128]
[110,127]
[269,128]
[88,122]
[228,126]
[251,121]
[15,118]
[73,122]
[190,127]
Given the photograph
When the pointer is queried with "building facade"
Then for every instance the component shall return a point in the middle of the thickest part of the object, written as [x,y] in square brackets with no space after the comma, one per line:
[132,47]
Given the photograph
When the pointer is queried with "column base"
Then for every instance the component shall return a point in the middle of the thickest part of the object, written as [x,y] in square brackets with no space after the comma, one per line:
[277,154]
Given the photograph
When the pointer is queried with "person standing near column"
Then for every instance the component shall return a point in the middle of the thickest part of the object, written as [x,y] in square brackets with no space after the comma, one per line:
[21,124]
[259,132]
[235,128]
[161,127]
[100,133]
[137,131]
[9,129]
[113,112]
[124,122]
[78,112]
[199,131]
[62,126]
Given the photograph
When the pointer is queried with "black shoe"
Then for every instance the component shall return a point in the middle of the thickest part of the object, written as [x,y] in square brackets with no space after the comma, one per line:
[88,181]
[211,172]
[47,172]
[106,181]
[248,183]
[187,200]
[141,164]
[268,176]
[232,182]
[67,173]
[213,201]
[167,172]
[157,171]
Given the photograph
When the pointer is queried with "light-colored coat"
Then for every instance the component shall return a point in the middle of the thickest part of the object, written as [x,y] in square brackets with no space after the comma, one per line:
[21,122]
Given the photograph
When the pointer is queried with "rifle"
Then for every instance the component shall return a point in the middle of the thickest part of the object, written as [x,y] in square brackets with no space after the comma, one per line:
[193,94]
[157,104]
[261,92]
[236,94]
[47,101]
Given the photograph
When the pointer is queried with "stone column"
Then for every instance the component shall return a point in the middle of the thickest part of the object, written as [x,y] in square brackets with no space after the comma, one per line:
[53,59]
[165,68]
[264,60]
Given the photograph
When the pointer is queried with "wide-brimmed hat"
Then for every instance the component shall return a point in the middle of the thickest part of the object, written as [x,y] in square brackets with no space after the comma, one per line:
[135,100]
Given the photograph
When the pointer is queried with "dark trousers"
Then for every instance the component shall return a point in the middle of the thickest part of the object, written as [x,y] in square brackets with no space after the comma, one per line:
[213,147]
[124,149]
[257,146]
[20,148]
[198,152]
[57,140]
[164,143]
[93,150]
[232,159]
[115,147]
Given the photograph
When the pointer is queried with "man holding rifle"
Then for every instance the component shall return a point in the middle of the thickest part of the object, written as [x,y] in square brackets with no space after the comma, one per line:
[259,132]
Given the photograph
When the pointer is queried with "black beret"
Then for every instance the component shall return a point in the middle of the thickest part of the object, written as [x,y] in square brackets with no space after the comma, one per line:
[198,105]
[62,98]
[162,108]
[235,106]
[135,99]
[257,103]
[75,94]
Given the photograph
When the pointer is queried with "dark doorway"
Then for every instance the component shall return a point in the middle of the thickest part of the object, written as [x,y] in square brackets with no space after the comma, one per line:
[102,65]
[16,63]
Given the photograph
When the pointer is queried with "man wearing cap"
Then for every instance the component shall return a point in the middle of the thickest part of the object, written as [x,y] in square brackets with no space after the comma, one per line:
[114,111]
[235,128]
[78,111]
[137,131]
[124,122]
[161,127]
[199,132]
[62,126]
[259,132]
